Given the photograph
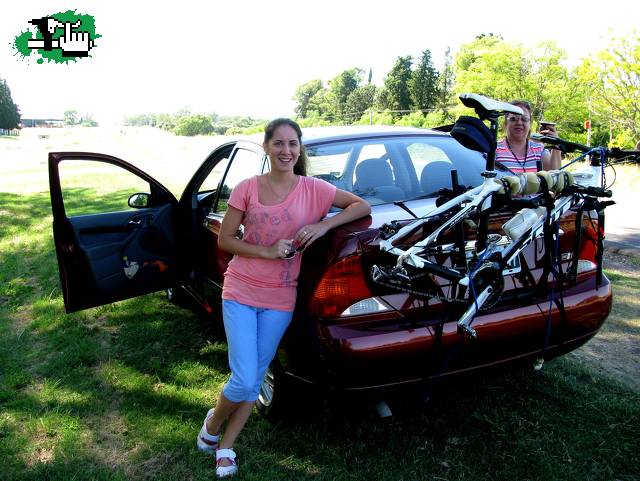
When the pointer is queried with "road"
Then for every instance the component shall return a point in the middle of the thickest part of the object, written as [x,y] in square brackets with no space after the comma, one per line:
[622,222]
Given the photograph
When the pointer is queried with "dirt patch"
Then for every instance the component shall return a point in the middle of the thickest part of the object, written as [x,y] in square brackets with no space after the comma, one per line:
[615,350]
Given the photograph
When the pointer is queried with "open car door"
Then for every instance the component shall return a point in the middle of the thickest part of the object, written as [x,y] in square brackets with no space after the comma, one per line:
[113,227]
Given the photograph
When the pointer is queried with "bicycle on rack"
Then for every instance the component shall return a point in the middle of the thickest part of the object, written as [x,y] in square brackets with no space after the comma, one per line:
[462,252]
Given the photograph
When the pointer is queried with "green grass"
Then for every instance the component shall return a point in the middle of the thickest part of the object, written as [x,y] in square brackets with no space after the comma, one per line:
[118,393]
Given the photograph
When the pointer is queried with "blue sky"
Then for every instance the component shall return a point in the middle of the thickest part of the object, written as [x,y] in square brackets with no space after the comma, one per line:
[246,57]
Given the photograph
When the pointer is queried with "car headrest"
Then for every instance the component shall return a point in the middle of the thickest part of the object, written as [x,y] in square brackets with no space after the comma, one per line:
[371,173]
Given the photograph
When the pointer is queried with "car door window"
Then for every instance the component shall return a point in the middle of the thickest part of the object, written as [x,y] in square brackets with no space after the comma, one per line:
[212,181]
[91,187]
[242,165]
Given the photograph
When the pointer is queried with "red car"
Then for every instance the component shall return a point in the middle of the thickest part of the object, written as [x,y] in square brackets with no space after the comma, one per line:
[348,332]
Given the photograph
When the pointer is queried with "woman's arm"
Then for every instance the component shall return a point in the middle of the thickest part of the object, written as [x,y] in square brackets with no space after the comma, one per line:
[551,160]
[353,207]
[227,240]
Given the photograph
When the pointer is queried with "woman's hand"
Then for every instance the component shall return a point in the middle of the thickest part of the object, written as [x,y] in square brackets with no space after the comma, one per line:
[549,131]
[309,233]
[280,249]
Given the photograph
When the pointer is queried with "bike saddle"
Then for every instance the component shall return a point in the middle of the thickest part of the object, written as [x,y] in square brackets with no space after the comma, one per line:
[486,107]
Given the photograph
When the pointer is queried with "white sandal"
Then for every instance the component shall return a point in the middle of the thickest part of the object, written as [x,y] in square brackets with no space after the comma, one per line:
[207,443]
[225,471]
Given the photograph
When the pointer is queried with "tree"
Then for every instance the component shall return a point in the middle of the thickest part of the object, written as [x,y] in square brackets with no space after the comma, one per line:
[165,121]
[396,96]
[340,87]
[193,125]
[359,101]
[423,85]
[304,95]
[492,67]
[9,112]
[615,89]
[446,81]
[507,71]
[87,121]
[71,117]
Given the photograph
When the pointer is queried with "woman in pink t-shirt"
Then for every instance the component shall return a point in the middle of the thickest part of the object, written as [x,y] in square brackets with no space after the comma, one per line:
[281,211]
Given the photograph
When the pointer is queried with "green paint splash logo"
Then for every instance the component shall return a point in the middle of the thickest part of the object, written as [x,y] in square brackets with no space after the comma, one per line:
[59,37]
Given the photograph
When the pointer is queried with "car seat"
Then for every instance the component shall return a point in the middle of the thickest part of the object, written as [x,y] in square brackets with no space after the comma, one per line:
[374,178]
[436,175]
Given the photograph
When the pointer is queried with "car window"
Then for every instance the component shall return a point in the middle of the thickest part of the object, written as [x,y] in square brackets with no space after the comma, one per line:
[388,169]
[212,181]
[423,153]
[91,187]
[370,151]
[243,164]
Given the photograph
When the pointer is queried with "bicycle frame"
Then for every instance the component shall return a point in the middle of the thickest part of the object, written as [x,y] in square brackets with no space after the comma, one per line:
[495,256]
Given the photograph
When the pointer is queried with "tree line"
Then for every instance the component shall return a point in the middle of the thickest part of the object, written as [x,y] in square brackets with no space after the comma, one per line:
[602,92]
[408,87]
[184,122]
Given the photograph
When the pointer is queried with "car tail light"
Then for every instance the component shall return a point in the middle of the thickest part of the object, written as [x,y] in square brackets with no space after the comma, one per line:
[589,246]
[340,287]
[585,265]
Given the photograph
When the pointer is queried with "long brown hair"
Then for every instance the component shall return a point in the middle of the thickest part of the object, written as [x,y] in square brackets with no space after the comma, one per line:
[301,165]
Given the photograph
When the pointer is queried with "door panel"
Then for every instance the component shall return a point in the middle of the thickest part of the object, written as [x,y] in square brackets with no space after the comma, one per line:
[206,198]
[108,256]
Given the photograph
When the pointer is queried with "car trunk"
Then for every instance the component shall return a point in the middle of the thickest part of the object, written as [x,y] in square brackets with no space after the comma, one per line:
[413,337]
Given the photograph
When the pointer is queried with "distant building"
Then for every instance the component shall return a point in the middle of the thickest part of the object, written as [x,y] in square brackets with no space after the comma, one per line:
[42,122]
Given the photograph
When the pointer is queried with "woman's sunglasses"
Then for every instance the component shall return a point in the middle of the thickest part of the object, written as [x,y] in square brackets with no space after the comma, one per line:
[516,118]
[298,248]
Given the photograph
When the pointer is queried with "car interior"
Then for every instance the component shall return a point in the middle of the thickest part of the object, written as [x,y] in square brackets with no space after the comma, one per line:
[401,169]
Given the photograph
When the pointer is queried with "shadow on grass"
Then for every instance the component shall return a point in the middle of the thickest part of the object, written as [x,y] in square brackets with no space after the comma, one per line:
[140,355]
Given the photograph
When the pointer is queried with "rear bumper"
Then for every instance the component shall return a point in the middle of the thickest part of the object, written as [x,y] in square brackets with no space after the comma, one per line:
[364,354]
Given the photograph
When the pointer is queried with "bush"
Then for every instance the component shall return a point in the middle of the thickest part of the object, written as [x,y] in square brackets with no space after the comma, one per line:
[193,125]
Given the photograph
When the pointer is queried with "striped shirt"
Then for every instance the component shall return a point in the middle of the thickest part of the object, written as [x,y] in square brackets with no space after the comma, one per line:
[506,157]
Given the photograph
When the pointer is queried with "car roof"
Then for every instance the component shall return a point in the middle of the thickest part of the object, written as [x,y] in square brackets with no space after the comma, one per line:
[312,135]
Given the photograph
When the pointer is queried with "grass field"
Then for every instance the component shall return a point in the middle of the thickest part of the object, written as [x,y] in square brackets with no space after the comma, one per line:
[119,392]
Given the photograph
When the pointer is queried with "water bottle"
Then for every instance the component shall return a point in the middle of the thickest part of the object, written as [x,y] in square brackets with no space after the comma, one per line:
[522,221]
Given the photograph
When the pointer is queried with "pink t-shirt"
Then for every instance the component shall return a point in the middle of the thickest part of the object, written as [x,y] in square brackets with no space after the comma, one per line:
[271,283]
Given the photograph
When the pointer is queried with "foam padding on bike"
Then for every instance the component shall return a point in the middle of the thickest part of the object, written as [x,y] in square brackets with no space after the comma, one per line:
[568,178]
[531,185]
[559,181]
[543,174]
[512,181]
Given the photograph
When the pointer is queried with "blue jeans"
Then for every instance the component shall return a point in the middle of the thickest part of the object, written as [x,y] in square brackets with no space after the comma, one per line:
[253,335]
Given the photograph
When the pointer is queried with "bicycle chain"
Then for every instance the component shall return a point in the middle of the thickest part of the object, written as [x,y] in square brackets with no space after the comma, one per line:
[420,293]
[498,286]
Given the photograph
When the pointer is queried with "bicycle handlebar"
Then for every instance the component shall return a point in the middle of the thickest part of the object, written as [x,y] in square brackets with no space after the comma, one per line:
[590,190]
[568,146]
[563,145]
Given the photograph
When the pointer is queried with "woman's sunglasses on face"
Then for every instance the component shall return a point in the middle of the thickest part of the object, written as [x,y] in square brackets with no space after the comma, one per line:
[518,118]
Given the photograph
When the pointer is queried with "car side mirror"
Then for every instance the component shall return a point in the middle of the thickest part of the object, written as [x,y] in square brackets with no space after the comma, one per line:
[139,200]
